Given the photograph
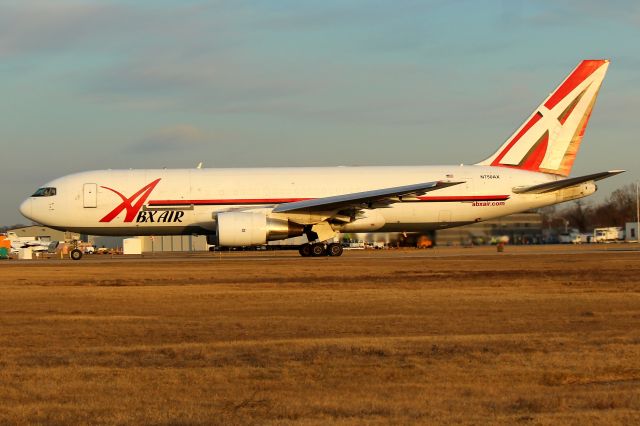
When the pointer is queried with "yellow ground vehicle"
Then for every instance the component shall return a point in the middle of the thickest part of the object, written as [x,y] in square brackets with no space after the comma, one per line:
[424,242]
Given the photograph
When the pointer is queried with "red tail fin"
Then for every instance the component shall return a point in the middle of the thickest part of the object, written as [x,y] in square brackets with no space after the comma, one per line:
[549,140]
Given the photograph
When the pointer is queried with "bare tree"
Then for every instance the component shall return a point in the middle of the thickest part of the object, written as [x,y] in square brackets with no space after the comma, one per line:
[618,209]
[578,215]
[623,204]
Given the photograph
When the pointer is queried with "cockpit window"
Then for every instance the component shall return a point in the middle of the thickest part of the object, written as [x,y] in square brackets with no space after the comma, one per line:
[45,192]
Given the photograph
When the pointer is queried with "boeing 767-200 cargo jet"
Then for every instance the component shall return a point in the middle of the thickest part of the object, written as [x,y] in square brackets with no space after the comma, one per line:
[246,207]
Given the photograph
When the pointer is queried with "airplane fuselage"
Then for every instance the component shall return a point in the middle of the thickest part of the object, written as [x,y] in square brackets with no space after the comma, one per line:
[186,201]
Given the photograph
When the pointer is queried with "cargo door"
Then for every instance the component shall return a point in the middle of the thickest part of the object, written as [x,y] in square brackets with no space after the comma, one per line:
[90,195]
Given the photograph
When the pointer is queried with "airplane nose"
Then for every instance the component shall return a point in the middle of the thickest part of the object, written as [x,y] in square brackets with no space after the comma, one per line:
[26,208]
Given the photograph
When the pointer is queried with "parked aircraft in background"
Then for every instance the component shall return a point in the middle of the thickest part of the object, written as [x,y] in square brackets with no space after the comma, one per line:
[245,207]
[32,243]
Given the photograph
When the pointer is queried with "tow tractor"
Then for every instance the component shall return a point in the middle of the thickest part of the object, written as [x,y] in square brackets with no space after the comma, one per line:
[75,248]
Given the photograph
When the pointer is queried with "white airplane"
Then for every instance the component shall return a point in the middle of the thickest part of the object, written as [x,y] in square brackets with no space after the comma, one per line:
[33,243]
[245,207]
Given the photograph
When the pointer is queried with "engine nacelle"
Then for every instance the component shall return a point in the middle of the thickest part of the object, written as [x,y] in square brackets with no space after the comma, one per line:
[577,191]
[240,229]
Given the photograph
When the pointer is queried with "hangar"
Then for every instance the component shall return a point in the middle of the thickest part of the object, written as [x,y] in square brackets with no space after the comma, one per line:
[45,233]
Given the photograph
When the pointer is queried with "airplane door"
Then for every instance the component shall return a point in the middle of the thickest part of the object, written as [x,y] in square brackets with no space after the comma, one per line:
[90,195]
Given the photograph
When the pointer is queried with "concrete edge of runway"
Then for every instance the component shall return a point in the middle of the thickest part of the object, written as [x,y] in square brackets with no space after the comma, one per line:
[386,255]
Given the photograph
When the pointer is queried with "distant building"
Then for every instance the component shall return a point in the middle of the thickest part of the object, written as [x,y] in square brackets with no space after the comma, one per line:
[163,243]
[44,233]
[520,228]
[107,242]
[158,243]
[631,231]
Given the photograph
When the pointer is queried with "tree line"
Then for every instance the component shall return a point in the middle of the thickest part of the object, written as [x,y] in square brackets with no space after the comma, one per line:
[616,210]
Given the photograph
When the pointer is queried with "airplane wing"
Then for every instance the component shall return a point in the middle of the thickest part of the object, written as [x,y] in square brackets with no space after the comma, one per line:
[564,183]
[369,199]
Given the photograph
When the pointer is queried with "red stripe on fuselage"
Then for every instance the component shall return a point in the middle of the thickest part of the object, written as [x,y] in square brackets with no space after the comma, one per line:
[245,201]
[226,201]
[463,198]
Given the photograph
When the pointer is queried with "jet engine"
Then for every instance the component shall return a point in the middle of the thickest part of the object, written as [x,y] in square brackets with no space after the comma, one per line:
[239,229]
[576,191]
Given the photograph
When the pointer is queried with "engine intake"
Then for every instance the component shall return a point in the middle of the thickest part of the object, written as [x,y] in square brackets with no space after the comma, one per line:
[240,229]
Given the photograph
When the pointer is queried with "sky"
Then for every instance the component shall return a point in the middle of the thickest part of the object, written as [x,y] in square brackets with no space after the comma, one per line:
[149,84]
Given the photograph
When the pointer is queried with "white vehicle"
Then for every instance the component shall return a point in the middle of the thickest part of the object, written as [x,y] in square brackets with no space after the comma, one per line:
[580,238]
[566,238]
[245,207]
[356,245]
[604,235]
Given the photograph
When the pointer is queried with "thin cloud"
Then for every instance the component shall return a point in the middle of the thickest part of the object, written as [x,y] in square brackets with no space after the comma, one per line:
[35,27]
[570,12]
[172,138]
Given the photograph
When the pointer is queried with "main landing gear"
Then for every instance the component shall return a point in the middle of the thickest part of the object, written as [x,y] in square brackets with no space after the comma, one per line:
[320,249]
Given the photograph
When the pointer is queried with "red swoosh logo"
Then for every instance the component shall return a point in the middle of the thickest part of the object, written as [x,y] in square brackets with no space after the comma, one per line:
[132,209]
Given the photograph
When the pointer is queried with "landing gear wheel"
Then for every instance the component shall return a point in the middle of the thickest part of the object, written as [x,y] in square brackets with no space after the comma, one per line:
[305,250]
[318,250]
[75,254]
[334,249]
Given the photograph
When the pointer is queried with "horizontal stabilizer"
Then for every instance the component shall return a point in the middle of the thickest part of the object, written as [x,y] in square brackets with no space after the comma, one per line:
[359,199]
[564,183]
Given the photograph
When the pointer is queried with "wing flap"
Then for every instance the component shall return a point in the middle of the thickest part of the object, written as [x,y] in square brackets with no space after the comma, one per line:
[371,199]
[564,183]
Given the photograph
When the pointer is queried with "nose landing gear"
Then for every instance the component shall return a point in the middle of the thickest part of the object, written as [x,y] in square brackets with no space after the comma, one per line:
[75,254]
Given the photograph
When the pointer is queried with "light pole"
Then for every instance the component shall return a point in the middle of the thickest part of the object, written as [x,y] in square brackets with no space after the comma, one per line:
[637,211]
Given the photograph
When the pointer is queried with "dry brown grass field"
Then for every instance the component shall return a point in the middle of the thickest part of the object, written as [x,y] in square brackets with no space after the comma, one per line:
[368,338]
